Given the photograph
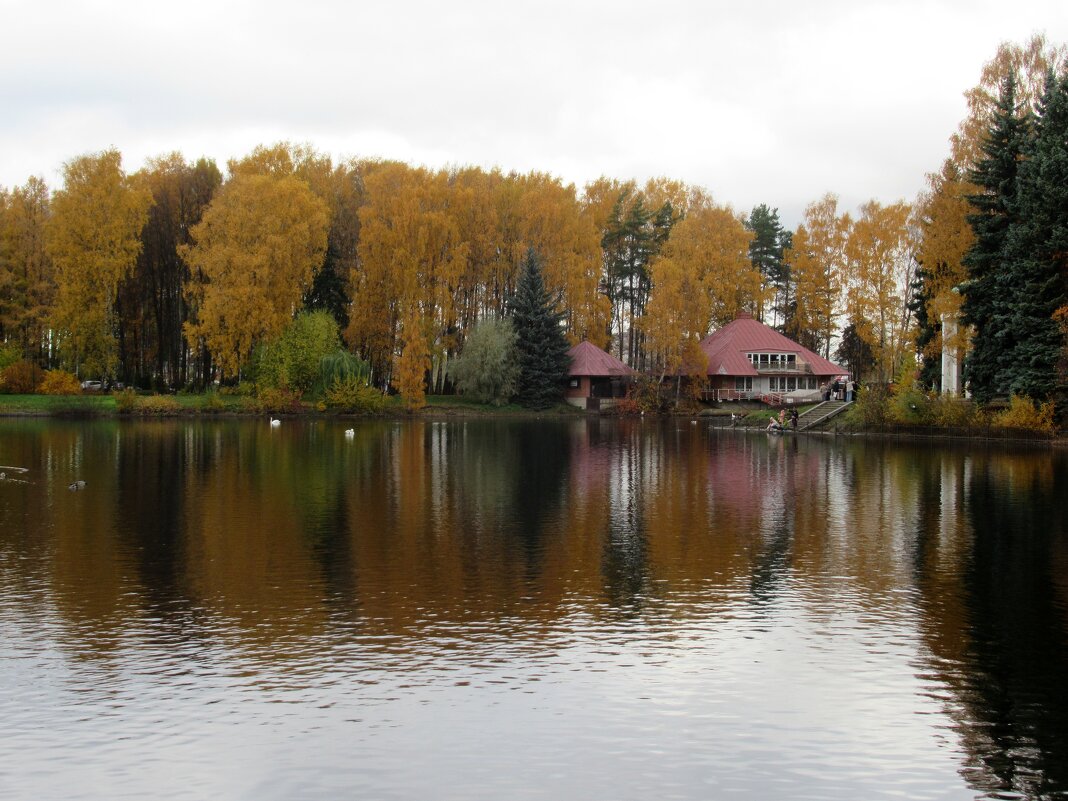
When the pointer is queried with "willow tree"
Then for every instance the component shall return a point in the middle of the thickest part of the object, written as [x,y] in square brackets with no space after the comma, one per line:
[254,254]
[93,239]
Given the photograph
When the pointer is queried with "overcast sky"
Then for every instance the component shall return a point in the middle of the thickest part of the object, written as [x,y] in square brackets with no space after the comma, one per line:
[773,102]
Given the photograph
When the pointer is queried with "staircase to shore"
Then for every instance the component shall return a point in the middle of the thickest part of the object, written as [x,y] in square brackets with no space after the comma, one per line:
[821,413]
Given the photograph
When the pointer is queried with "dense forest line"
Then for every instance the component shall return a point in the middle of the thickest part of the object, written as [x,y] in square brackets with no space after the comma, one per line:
[178,275]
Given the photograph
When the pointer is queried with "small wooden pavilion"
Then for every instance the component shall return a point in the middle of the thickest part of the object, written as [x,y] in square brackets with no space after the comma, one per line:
[596,379]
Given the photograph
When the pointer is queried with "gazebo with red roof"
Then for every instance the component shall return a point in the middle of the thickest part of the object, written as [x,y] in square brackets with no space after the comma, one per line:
[595,378]
[749,360]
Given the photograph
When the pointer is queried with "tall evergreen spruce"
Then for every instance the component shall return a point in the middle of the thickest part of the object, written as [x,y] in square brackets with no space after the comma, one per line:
[927,330]
[766,255]
[1037,250]
[540,343]
[987,293]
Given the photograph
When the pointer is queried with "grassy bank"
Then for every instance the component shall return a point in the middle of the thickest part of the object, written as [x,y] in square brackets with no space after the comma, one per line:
[184,405]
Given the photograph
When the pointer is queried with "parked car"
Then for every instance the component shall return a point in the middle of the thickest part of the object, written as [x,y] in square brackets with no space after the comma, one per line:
[93,386]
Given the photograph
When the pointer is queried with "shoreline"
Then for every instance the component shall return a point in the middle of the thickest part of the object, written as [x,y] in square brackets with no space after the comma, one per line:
[98,407]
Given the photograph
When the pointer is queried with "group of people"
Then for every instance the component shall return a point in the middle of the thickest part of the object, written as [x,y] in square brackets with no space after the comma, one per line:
[840,390]
[783,422]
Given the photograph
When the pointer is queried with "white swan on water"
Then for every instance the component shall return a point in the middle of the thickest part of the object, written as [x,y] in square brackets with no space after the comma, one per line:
[350,432]
[275,422]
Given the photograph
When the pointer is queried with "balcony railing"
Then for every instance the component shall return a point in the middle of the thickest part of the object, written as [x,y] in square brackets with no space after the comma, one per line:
[771,398]
[784,367]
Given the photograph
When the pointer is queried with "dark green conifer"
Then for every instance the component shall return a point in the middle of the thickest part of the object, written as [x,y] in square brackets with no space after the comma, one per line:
[540,343]
[766,255]
[927,330]
[1037,252]
[987,294]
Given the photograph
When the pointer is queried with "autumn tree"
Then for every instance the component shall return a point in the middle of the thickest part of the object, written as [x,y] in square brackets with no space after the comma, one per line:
[411,263]
[702,278]
[254,254]
[152,302]
[487,278]
[340,187]
[93,238]
[944,237]
[816,259]
[676,318]
[879,277]
[1028,64]
[541,213]
[27,287]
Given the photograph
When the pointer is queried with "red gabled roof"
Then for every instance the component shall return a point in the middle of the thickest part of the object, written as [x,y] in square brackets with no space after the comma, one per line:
[588,359]
[726,349]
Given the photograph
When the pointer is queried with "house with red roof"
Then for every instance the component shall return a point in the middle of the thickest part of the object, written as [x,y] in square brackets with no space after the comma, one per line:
[596,379]
[748,360]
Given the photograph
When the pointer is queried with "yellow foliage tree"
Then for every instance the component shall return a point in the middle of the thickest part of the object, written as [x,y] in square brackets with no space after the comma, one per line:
[27,286]
[411,258]
[551,223]
[703,277]
[255,252]
[817,260]
[879,256]
[945,236]
[409,376]
[93,240]
[1030,63]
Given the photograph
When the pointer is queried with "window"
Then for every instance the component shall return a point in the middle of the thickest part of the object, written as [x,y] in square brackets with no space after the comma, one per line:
[743,384]
[773,361]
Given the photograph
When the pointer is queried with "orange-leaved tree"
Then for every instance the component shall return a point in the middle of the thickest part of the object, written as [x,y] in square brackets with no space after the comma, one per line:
[253,255]
[93,238]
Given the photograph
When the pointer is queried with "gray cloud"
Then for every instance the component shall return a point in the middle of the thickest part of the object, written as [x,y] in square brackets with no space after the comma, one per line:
[773,102]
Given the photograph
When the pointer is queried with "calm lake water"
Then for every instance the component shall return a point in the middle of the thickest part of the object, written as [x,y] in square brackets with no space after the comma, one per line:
[527,609]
